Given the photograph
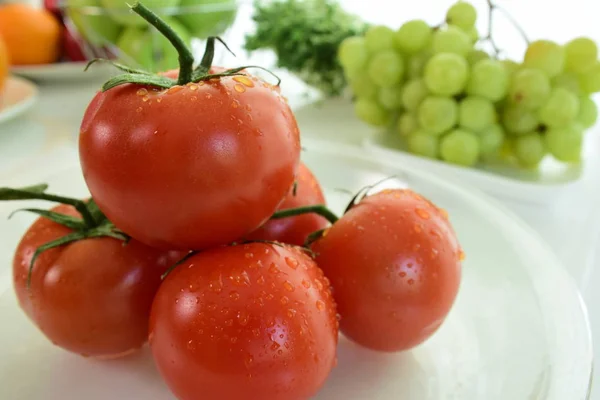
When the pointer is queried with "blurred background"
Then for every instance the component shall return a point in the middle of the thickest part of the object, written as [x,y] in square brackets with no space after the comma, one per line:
[541,162]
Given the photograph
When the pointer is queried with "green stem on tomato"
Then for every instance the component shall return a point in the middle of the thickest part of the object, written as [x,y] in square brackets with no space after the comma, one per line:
[186,58]
[319,209]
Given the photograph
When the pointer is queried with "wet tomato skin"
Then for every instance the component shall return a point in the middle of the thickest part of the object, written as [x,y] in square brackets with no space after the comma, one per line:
[253,322]
[295,230]
[90,297]
[395,267]
[219,155]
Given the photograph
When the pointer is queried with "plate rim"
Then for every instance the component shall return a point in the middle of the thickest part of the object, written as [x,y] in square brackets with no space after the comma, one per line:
[14,110]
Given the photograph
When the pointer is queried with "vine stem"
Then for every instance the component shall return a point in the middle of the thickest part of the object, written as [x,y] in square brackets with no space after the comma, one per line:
[319,209]
[492,7]
[186,58]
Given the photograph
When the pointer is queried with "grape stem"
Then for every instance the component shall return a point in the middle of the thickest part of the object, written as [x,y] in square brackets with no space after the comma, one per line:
[492,7]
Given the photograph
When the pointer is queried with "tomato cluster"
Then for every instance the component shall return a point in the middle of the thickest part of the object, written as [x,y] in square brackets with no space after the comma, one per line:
[207,236]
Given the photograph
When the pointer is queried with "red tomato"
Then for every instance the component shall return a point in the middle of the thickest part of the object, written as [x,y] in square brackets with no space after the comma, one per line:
[295,230]
[395,268]
[91,297]
[193,166]
[253,322]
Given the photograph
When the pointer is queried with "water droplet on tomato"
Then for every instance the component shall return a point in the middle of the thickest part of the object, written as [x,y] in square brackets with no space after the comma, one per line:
[249,255]
[211,306]
[248,108]
[235,103]
[139,109]
[239,278]
[260,280]
[158,99]
[145,98]
[243,318]
[422,213]
[273,269]
[239,88]
[142,92]
[248,360]
[193,86]
[291,262]
[234,296]
[208,96]
[410,281]
[229,322]
[318,284]
[461,255]
[402,274]
[306,283]
[291,312]
[193,98]
[287,285]
[418,228]
[233,339]
[244,80]
[256,332]
[320,305]
[174,89]
[284,300]
[275,346]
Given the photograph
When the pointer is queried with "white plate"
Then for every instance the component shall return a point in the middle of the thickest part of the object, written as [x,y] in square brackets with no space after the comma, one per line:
[518,331]
[17,97]
[64,71]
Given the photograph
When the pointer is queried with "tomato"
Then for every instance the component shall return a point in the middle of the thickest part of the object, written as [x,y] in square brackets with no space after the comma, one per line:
[395,267]
[193,166]
[295,230]
[93,296]
[253,322]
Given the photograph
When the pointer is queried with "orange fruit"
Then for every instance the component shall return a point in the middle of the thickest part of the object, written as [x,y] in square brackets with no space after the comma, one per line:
[32,35]
[3,64]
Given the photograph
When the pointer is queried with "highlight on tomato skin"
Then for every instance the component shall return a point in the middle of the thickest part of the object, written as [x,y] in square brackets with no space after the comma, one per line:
[254,321]
[295,230]
[395,267]
[91,297]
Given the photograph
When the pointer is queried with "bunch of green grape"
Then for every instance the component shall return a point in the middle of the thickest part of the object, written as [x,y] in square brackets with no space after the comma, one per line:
[452,101]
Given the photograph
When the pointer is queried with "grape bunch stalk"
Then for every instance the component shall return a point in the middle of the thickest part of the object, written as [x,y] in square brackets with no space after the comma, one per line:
[450,99]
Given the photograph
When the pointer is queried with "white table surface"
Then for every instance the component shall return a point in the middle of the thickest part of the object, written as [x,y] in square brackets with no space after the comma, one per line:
[44,140]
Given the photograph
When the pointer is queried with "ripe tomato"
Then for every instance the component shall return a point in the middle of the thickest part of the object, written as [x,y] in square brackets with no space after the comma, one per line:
[253,322]
[295,230]
[395,268]
[193,166]
[91,297]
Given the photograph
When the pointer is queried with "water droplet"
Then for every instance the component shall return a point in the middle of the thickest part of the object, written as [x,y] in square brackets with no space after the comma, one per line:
[291,262]
[225,311]
[320,305]
[291,312]
[249,375]
[409,265]
[260,280]
[158,99]
[248,360]
[208,96]
[270,296]
[461,255]
[229,322]
[318,284]
[402,274]
[174,89]
[248,108]
[243,318]
[275,346]
[434,253]
[139,109]
[316,358]
[234,296]
[244,80]
[256,332]
[142,92]
[287,285]
[239,88]
[411,281]
[443,212]
[235,103]
[190,345]
[306,283]
[280,352]
[422,213]
[193,86]
[240,278]
[284,300]
[233,339]
[211,306]
[418,228]
[273,268]
[249,255]
[193,98]
[145,98]
[416,247]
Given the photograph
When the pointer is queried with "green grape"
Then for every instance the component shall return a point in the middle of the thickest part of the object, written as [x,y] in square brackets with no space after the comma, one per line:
[407,124]
[529,150]
[588,112]
[413,94]
[379,38]
[386,68]
[477,55]
[415,64]
[476,113]
[363,87]
[451,40]
[581,54]
[489,79]
[566,143]
[519,120]
[422,144]
[390,97]
[568,81]
[353,54]
[460,147]
[473,34]
[546,56]
[529,88]
[462,14]
[371,112]
[490,140]
[510,66]
[561,108]
[413,36]
[589,80]
[446,74]
[437,114]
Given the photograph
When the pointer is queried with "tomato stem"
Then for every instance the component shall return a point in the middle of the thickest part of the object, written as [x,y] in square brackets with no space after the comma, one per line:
[186,58]
[319,209]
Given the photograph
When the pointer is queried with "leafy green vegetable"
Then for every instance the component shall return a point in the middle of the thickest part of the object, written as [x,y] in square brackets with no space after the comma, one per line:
[305,35]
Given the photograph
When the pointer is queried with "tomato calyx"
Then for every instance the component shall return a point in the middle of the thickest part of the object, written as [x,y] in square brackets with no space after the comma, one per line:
[187,72]
[93,223]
